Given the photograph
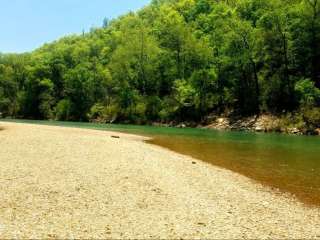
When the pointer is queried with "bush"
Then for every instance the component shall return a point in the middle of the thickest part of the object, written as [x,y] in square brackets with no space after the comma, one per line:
[307,93]
[96,112]
[63,110]
[153,108]
[45,109]
[307,120]
[46,98]
[168,110]
[4,106]
[292,121]
[312,117]
[103,114]
[140,110]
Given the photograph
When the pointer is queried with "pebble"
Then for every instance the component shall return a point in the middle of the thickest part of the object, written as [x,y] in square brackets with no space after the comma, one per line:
[76,183]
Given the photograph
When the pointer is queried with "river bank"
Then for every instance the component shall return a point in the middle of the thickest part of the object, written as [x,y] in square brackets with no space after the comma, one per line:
[287,124]
[263,123]
[258,123]
[77,183]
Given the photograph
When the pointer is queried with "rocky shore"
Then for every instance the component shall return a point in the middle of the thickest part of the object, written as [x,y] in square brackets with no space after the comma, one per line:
[258,123]
[262,123]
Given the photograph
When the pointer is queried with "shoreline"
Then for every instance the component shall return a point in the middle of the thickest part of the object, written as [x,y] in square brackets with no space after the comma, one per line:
[267,124]
[264,123]
[151,192]
[155,140]
[308,200]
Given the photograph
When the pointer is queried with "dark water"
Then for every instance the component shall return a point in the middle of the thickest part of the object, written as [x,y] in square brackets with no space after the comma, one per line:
[288,163]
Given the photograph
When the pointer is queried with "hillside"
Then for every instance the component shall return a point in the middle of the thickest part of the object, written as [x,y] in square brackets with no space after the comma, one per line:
[176,61]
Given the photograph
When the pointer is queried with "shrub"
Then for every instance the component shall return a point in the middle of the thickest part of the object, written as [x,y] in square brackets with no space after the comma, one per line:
[312,117]
[168,110]
[138,113]
[4,106]
[63,110]
[307,93]
[153,108]
[103,114]
[96,112]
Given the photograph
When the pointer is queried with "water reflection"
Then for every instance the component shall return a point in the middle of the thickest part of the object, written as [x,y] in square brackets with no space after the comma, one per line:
[291,164]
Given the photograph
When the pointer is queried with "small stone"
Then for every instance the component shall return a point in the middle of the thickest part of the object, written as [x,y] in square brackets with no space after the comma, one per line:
[294,130]
[194,163]
[259,129]
[201,224]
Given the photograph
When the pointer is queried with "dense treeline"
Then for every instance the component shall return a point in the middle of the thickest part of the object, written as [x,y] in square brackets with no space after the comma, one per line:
[175,60]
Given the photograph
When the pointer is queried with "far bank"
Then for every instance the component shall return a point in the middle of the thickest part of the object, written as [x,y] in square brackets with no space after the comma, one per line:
[293,124]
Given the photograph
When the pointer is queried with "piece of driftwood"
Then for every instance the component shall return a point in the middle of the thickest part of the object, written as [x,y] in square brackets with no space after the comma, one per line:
[115,136]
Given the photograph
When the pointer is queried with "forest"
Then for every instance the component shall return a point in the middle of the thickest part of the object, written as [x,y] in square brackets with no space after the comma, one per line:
[175,61]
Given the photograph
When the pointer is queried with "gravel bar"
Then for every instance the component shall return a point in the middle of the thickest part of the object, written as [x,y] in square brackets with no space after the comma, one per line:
[60,183]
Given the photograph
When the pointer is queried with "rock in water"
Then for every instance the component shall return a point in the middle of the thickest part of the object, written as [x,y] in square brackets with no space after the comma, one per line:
[259,129]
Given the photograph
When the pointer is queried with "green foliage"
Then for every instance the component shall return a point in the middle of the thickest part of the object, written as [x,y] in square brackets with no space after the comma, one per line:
[184,93]
[103,114]
[308,94]
[63,110]
[312,117]
[46,99]
[175,61]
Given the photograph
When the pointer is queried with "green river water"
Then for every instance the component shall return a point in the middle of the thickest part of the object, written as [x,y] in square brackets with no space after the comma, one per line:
[288,163]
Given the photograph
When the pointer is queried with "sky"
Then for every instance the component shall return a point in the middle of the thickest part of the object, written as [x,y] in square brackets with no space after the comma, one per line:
[27,24]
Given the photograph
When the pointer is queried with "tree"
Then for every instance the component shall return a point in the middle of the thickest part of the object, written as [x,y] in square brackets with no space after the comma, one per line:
[314,5]
[277,42]
[242,52]
[174,60]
